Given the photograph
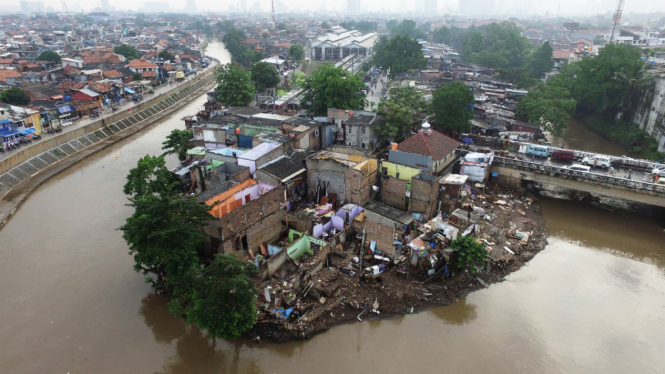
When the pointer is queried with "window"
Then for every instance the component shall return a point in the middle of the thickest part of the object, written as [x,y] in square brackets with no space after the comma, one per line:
[349,129]
[316,132]
[364,130]
[362,145]
[349,143]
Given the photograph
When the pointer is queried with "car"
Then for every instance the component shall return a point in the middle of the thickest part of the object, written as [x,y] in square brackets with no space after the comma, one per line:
[563,154]
[583,168]
[660,182]
[538,150]
[658,170]
[598,161]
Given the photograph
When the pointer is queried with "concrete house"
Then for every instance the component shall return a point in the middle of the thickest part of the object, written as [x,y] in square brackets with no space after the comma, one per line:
[428,150]
[344,171]
[359,130]
[385,226]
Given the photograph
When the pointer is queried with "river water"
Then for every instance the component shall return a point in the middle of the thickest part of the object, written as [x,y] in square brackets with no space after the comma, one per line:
[592,302]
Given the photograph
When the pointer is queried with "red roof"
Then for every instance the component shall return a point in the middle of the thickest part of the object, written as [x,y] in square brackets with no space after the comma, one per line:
[92,60]
[6,60]
[434,144]
[9,73]
[112,74]
[560,55]
[149,74]
[143,64]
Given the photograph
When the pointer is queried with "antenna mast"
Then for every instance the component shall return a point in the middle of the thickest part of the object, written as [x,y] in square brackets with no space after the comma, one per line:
[273,13]
[64,6]
[616,21]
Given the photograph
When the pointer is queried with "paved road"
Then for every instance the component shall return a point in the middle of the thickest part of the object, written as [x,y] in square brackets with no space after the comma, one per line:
[87,120]
[376,96]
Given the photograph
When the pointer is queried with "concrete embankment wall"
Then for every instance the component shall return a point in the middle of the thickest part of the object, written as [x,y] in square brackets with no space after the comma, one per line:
[30,161]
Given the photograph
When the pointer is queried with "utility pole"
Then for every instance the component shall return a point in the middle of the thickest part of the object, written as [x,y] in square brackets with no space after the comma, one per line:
[64,6]
[616,21]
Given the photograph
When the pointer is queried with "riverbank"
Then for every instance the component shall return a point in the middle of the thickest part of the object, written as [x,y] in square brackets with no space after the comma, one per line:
[628,136]
[337,298]
[60,160]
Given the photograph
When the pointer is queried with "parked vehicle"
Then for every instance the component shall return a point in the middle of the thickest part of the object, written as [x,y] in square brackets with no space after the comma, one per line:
[576,167]
[660,182]
[563,154]
[537,150]
[597,161]
[658,170]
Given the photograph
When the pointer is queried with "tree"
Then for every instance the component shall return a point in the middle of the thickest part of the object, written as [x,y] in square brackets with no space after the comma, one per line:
[126,50]
[264,76]
[176,142]
[548,105]
[163,235]
[467,253]
[296,52]
[300,79]
[280,26]
[331,87]
[325,25]
[541,60]
[399,111]
[399,54]
[149,177]
[137,76]
[219,298]
[452,106]
[442,35]
[407,28]
[265,35]
[166,55]
[14,96]
[234,86]
[49,56]
[633,78]
[391,24]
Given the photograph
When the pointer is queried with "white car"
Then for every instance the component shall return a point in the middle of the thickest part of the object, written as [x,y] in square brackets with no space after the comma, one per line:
[583,168]
[660,171]
[597,161]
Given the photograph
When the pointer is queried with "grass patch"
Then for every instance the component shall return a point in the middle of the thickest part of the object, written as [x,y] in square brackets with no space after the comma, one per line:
[628,136]
[58,152]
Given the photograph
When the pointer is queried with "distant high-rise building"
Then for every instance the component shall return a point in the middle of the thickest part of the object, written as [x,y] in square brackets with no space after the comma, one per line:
[105,5]
[191,6]
[32,6]
[430,7]
[156,6]
[353,7]
[475,7]
[243,6]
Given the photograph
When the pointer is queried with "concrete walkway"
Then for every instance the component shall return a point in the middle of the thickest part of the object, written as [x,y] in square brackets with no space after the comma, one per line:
[161,90]
[376,96]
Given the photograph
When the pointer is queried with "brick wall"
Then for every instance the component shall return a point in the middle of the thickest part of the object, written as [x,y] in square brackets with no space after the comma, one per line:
[424,197]
[382,234]
[359,187]
[393,192]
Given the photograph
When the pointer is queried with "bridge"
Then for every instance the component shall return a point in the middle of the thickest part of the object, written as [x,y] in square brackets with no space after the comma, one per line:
[514,171]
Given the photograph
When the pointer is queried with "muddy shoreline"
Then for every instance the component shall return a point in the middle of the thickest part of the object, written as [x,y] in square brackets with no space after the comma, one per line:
[341,298]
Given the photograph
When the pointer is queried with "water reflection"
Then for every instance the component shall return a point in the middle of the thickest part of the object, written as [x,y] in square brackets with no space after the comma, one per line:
[165,327]
[458,313]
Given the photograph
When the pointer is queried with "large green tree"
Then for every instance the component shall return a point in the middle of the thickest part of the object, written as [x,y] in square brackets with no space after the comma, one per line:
[234,85]
[149,177]
[219,298]
[407,28]
[331,87]
[541,60]
[400,112]
[126,50]
[548,105]
[452,106]
[399,54]
[468,253]
[264,76]
[14,96]
[176,143]
[633,79]
[296,52]
[166,55]
[49,56]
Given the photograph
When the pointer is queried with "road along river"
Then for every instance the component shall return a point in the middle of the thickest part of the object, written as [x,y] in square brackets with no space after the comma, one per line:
[592,302]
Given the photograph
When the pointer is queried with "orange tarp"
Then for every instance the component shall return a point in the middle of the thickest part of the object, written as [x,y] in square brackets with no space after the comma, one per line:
[227,201]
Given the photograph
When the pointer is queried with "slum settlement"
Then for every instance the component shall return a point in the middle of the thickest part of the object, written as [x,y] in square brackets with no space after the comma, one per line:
[339,233]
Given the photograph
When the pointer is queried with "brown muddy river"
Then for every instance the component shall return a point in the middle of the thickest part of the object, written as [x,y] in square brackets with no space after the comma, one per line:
[592,302]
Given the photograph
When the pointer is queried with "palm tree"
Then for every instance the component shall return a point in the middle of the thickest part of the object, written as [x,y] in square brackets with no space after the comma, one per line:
[633,79]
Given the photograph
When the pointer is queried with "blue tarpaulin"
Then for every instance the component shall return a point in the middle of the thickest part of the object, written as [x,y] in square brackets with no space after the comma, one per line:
[129,90]
[10,133]
[65,108]
[467,140]
[26,131]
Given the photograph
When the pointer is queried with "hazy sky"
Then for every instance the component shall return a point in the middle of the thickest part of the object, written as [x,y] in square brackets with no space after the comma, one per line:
[564,7]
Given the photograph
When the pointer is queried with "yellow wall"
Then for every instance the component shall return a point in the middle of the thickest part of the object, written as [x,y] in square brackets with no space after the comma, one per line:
[405,172]
[37,122]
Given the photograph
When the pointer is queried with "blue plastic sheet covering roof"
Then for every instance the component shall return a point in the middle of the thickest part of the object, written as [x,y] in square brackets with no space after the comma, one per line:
[129,90]
[5,121]
[26,131]
[10,133]
[467,140]
[65,108]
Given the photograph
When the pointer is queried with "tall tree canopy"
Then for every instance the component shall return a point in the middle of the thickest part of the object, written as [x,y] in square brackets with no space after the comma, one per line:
[400,112]
[399,54]
[149,177]
[14,96]
[126,50]
[176,143]
[234,86]
[452,106]
[362,26]
[49,56]
[219,298]
[541,60]
[467,253]
[296,52]
[407,28]
[239,51]
[331,87]
[166,55]
[548,105]
[264,76]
